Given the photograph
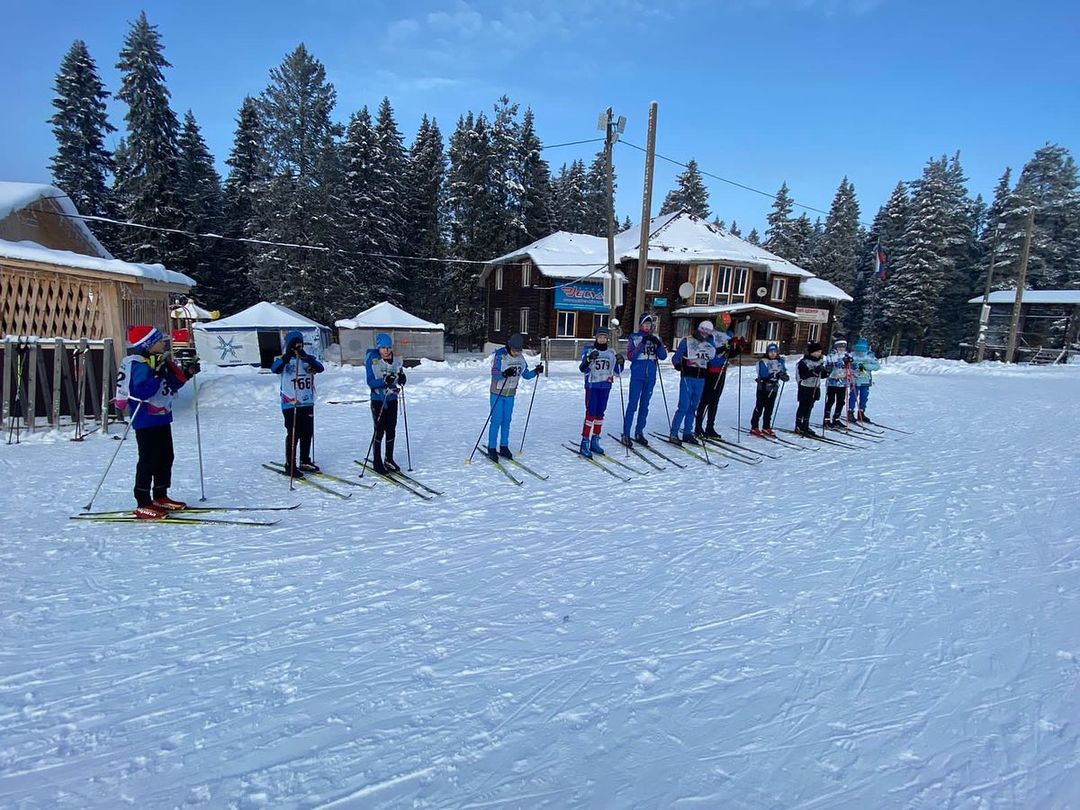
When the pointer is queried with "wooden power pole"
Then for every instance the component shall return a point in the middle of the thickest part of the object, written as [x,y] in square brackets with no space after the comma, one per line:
[984,313]
[1025,253]
[646,214]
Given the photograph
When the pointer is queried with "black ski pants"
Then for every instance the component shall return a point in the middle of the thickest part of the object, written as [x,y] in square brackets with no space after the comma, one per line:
[153,472]
[807,397]
[764,404]
[384,415]
[710,399]
[835,400]
[304,420]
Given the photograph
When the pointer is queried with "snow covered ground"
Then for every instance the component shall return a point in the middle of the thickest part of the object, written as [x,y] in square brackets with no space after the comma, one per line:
[890,627]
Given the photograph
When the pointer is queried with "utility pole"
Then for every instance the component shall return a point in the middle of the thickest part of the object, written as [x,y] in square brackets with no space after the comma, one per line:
[612,130]
[646,213]
[984,313]
[1025,253]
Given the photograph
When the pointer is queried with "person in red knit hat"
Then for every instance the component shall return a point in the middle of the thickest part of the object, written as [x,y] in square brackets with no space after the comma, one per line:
[146,383]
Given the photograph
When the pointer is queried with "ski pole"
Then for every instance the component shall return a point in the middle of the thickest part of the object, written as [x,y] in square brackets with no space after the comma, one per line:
[405,415]
[704,441]
[536,385]
[97,489]
[375,430]
[476,444]
[738,407]
[776,402]
[622,402]
[198,436]
[296,402]
[663,393]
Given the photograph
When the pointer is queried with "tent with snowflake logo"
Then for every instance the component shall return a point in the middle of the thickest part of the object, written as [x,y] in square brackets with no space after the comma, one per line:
[255,336]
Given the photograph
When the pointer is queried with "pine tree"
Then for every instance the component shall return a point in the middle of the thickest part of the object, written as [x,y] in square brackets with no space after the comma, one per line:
[81,164]
[835,261]
[247,182]
[888,229]
[734,229]
[568,191]
[689,193]
[199,187]
[920,267]
[719,223]
[626,225]
[955,318]
[753,237]
[147,177]
[778,236]
[427,292]
[389,179]
[301,201]
[474,218]
[537,203]
[802,242]
[597,201]
[368,212]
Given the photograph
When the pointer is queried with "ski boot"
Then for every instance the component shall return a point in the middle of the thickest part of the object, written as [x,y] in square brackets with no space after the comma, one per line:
[710,433]
[377,462]
[504,451]
[769,432]
[639,437]
[391,465]
[626,441]
[690,438]
[309,467]
[585,450]
[150,512]
[493,454]
[851,417]
[809,432]
[594,445]
[757,432]
[865,418]
[167,504]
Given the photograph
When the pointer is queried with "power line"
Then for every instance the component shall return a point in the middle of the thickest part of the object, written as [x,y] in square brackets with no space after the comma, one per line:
[572,143]
[736,184]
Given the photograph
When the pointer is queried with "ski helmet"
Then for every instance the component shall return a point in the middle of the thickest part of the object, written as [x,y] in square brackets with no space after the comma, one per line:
[840,341]
[772,347]
[646,316]
[705,327]
[383,341]
[516,342]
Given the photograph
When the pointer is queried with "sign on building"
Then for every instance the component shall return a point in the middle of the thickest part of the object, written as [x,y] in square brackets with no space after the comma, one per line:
[811,315]
[581,296]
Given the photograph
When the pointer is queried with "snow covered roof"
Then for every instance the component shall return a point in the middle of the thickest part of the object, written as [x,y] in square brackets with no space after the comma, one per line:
[683,238]
[17,196]
[386,316]
[192,312]
[735,309]
[679,238]
[562,255]
[262,315]
[1033,297]
[33,252]
[821,290]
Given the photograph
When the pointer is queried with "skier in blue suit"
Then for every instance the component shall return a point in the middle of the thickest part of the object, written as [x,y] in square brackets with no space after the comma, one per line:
[865,363]
[297,369]
[385,378]
[507,367]
[599,364]
[643,349]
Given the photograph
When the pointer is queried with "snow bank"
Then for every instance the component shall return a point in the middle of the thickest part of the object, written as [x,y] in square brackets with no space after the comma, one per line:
[936,367]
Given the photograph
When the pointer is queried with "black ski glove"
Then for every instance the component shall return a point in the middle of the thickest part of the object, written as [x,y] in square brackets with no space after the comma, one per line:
[783,375]
[510,372]
[620,359]
[539,368]
[653,339]
[389,380]
[401,378]
[192,368]
[593,355]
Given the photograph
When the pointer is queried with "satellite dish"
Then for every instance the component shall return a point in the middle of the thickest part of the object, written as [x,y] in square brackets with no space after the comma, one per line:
[686,289]
[762,292]
[615,322]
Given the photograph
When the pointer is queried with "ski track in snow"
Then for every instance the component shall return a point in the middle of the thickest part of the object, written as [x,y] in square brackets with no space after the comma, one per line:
[893,627]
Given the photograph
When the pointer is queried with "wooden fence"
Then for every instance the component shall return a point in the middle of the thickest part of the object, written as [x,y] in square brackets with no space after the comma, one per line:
[57,383]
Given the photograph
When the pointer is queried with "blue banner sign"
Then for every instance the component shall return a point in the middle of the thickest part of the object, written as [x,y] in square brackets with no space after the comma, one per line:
[659,302]
[581,296]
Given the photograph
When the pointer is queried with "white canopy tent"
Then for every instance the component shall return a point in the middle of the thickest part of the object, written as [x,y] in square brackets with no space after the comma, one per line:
[414,337]
[255,335]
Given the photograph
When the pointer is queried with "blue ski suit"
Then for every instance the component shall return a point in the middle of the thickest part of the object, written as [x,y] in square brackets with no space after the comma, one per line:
[643,350]
[692,358]
[503,388]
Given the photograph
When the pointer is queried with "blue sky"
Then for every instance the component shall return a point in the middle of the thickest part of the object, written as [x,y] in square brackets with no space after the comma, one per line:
[758,91]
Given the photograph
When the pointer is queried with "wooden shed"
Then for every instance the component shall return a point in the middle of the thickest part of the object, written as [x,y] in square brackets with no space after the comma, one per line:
[57,280]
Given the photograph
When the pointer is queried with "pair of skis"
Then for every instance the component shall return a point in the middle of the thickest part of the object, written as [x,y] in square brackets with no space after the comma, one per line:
[686,449]
[503,461]
[402,480]
[782,442]
[125,516]
[616,467]
[308,480]
[737,452]
[822,439]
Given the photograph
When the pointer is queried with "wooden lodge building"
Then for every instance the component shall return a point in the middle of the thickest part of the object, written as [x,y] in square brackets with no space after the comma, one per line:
[1048,329]
[58,281]
[553,290]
